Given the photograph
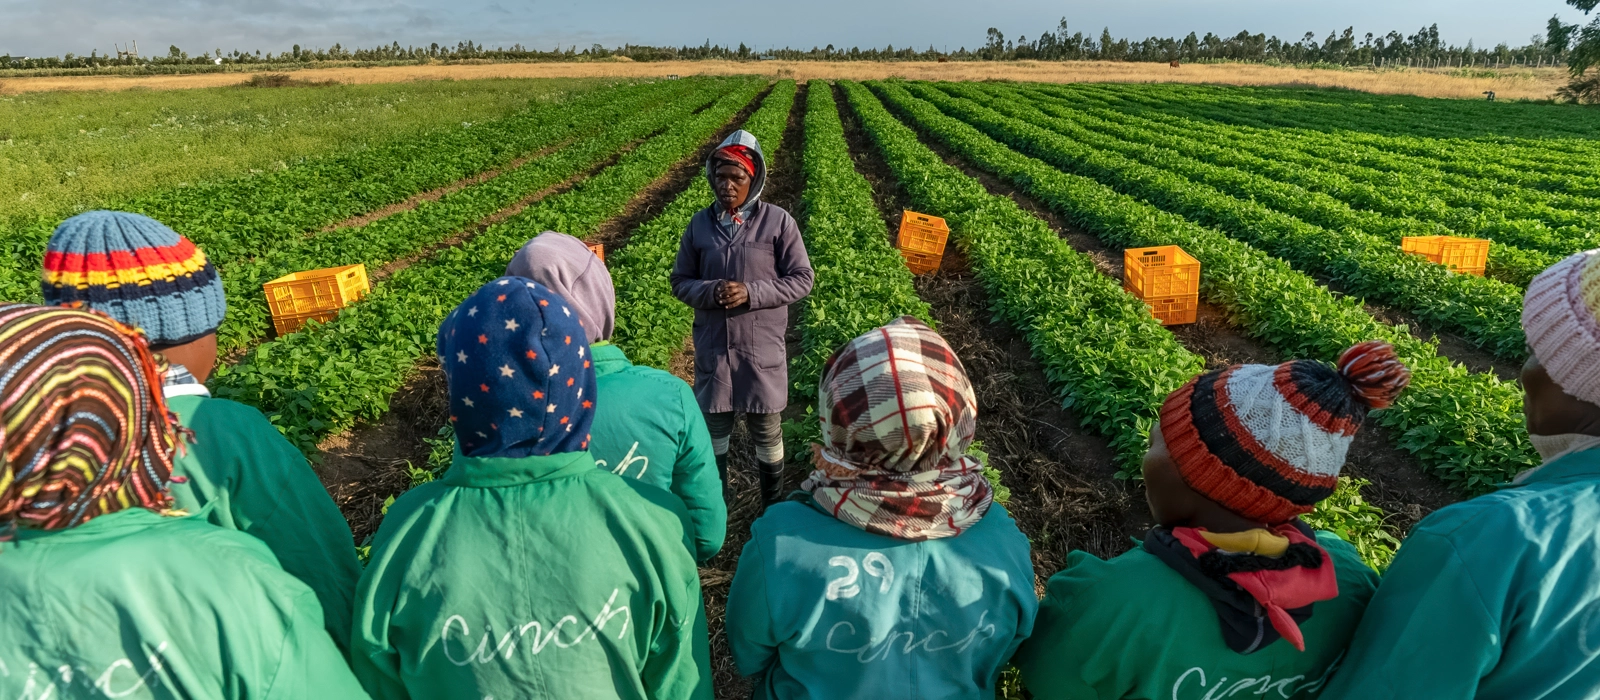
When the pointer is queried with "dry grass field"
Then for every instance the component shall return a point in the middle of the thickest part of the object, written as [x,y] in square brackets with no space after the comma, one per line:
[1518,84]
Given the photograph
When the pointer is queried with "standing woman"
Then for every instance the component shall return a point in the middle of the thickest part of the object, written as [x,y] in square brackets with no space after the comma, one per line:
[107,591]
[740,264]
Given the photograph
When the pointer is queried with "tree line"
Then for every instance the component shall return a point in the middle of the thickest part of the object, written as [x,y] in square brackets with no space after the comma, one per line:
[1576,45]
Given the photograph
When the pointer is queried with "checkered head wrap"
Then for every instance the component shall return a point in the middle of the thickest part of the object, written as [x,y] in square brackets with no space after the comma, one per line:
[897,417]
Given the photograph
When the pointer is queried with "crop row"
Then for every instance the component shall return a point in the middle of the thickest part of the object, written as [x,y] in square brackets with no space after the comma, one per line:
[1361,188]
[1247,176]
[1518,130]
[1474,206]
[1485,311]
[862,282]
[409,232]
[1470,165]
[1464,427]
[1111,361]
[1099,344]
[237,218]
[651,322]
[323,379]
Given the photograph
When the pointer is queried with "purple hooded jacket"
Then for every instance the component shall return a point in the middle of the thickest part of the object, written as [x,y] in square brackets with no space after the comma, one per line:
[740,363]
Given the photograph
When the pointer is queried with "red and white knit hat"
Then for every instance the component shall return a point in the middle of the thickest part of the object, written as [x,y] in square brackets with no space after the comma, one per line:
[1559,315]
[1268,442]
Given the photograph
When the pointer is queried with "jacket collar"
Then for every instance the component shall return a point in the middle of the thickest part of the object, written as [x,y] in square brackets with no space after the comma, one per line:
[115,524]
[1583,464]
[608,359]
[492,472]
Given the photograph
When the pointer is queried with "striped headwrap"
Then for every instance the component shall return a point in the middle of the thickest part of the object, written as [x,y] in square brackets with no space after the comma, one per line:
[898,415]
[83,427]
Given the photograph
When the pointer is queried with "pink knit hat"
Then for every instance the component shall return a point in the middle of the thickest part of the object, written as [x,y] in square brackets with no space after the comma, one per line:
[1561,316]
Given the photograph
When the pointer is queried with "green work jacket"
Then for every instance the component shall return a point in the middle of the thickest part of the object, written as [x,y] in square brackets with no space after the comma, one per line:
[1496,598]
[538,577]
[241,474]
[647,426]
[1134,628]
[136,605]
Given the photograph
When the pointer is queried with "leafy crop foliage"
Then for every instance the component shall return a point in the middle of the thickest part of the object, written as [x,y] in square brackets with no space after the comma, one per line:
[323,379]
[861,283]
[1286,189]
[610,129]
[1137,345]
[242,160]
[1464,427]
[651,322]
[1486,311]
[1110,360]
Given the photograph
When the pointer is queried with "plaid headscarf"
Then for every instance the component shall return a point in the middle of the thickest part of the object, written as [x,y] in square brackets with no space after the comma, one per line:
[516,357]
[898,414]
[83,426]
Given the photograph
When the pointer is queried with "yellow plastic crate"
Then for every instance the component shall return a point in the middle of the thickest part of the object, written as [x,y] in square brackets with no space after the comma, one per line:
[922,240]
[1467,256]
[1160,272]
[599,250]
[1173,311]
[320,294]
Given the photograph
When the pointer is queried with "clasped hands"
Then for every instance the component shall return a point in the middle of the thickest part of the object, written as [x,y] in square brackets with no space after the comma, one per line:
[731,294]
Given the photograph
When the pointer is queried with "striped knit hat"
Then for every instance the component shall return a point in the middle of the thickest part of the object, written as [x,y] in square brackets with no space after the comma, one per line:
[1561,316]
[137,271]
[1268,442]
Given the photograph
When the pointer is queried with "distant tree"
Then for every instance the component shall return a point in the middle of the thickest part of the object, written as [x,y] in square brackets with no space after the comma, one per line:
[1586,50]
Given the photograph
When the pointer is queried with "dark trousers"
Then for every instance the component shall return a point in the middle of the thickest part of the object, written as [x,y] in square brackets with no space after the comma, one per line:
[766,431]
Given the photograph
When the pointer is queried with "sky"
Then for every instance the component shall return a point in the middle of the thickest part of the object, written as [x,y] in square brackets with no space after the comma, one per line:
[36,28]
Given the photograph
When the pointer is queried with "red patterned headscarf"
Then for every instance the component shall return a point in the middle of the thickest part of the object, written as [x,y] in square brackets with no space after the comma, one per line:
[898,415]
[84,430]
[737,155]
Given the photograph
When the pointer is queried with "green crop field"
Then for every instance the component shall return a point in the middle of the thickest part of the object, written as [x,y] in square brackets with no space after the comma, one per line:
[1295,202]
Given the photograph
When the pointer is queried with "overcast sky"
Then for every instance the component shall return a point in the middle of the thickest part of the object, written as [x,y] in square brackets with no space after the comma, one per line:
[55,27]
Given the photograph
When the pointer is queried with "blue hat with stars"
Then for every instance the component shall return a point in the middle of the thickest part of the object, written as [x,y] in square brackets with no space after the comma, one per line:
[517,362]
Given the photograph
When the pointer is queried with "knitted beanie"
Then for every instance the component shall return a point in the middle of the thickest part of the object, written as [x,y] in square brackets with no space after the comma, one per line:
[1559,315]
[137,271]
[1268,442]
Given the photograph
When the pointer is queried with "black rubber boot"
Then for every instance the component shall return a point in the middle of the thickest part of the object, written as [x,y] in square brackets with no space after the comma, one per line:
[722,470]
[771,482]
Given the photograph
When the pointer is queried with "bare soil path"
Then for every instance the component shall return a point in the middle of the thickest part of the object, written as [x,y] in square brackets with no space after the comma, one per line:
[1538,83]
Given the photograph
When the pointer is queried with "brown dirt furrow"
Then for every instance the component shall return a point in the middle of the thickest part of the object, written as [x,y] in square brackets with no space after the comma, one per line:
[434,195]
[517,207]
[1065,495]
[785,181]
[1399,486]
[363,467]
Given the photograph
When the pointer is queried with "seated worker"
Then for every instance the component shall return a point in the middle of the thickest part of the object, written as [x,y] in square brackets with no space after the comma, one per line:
[239,473]
[107,592]
[1495,598]
[1230,594]
[525,571]
[893,574]
[741,263]
[646,423]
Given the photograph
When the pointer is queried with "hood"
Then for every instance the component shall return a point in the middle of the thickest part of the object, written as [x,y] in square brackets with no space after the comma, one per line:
[567,266]
[744,138]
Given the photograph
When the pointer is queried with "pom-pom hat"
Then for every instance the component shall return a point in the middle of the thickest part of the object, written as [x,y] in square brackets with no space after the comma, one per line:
[1268,442]
[1561,317]
[135,270]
